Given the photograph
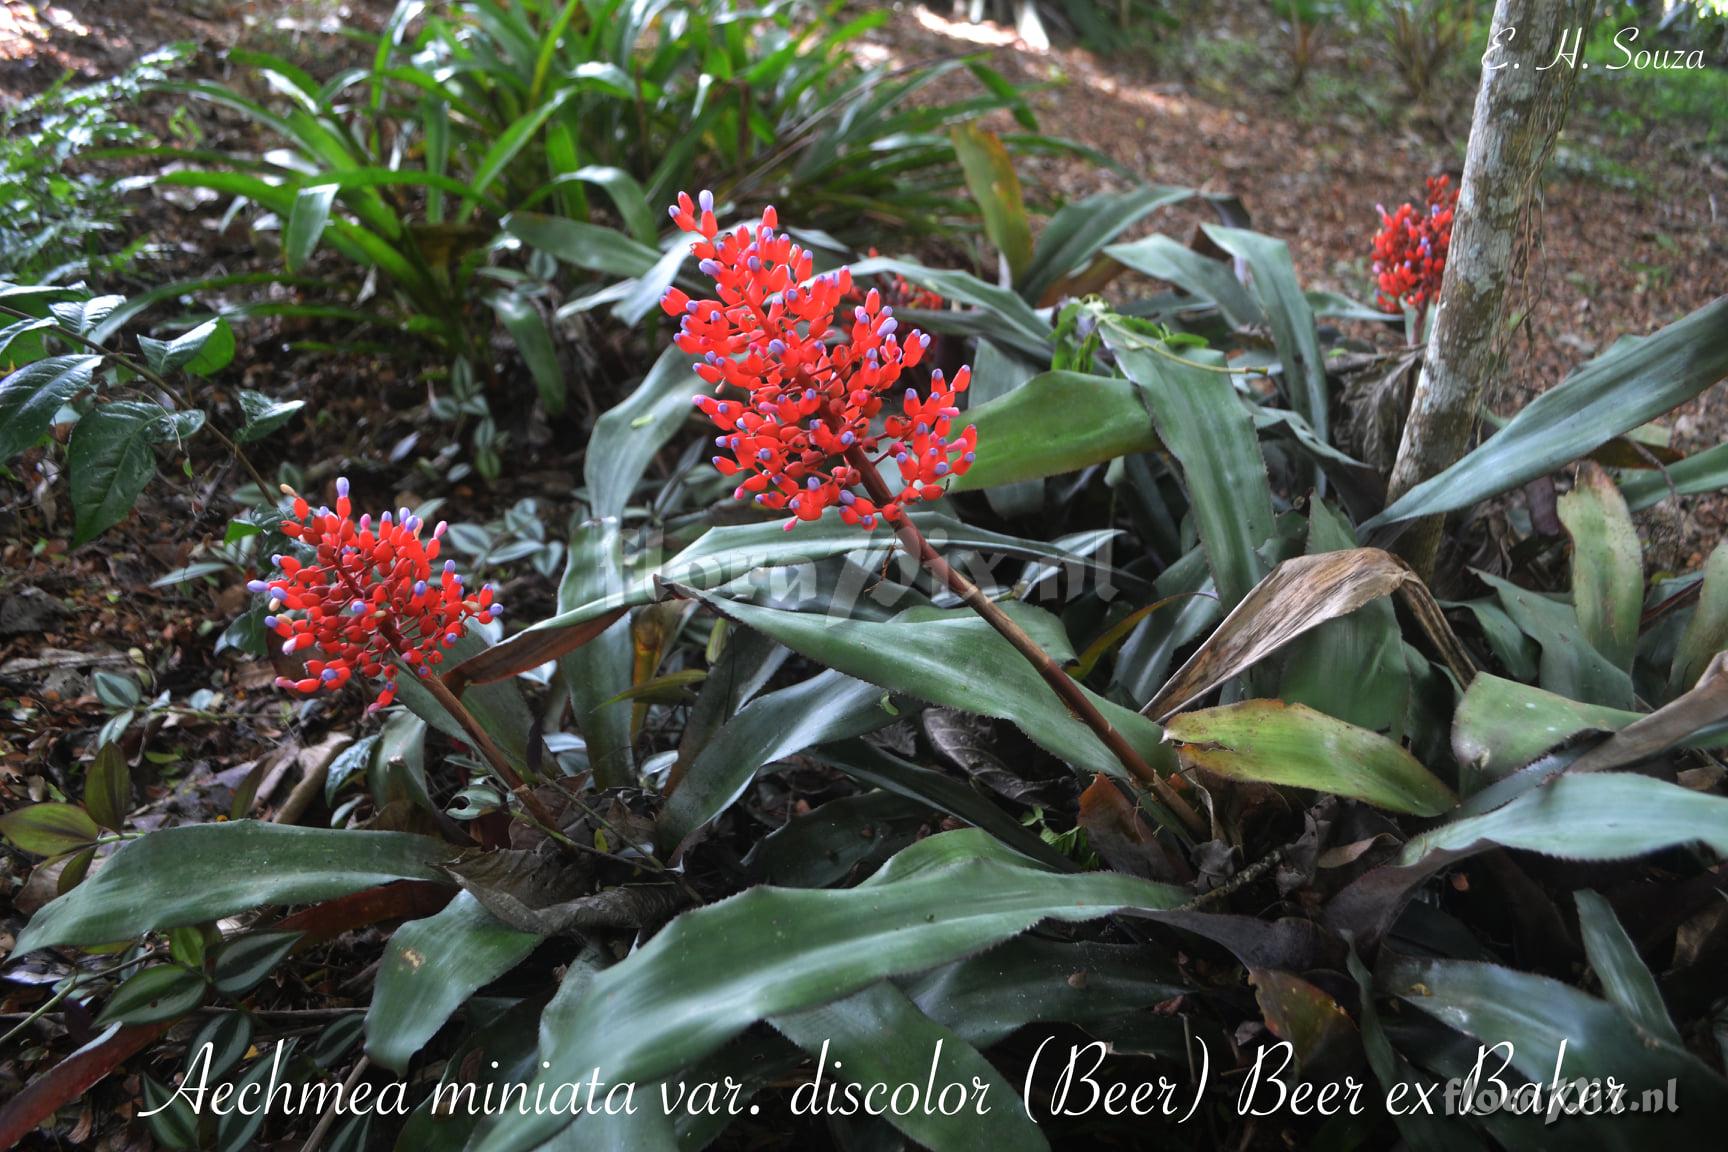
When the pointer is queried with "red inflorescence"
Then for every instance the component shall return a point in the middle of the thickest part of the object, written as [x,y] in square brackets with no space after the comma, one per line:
[809,402]
[1410,248]
[365,597]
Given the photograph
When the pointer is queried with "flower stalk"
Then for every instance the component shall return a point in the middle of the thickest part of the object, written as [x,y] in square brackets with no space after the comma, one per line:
[1065,686]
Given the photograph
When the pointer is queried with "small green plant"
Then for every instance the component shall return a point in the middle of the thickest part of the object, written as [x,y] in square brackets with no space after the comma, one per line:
[57,345]
[58,220]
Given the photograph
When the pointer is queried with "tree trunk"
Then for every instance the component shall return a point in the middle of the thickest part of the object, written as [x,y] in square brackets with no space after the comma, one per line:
[1528,73]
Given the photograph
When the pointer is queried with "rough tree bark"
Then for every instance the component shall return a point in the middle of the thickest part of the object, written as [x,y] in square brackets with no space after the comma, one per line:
[1529,72]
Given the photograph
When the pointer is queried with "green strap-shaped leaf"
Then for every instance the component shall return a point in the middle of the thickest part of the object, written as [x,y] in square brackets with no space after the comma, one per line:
[728,552]
[585,245]
[627,436]
[989,172]
[1204,425]
[1291,319]
[879,1037]
[498,707]
[1056,422]
[713,972]
[202,872]
[597,672]
[1707,632]
[1631,384]
[430,968]
[826,707]
[30,396]
[1536,1016]
[1004,313]
[1607,565]
[1078,230]
[1705,471]
[1624,977]
[1571,665]
[1272,742]
[1610,816]
[995,375]
[534,340]
[1368,642]
[1162,258]
[306,224]
[954,658]
[1502,726]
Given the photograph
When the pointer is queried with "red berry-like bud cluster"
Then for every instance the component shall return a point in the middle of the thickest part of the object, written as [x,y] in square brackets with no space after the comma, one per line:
[810,400]
[364,597]
[900,292]
[1410,248]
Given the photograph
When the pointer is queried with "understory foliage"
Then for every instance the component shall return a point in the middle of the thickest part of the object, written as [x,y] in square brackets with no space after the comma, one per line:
[784,775]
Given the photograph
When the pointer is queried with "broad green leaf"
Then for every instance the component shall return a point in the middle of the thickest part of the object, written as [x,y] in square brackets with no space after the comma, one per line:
[263,415]
[306,224]
[110,461]
[1291,319]
[49,829]
[430,968]
[878,1036]
[160,993]
[1162,258]
[31,396]
[626,437]
[1536,1017]
[1205,426]
[1271,742]
[826,707]
[956,659]
[1636,380]
[713,972]
[108,788]
[201,351]
[81,316]
[1502,726]
[599,670]
[1074,235]
[1605,816]
[534,340]
[1607,565]
[1054,423]
[990,177]
[1707,632]
[1625,979]
[1570,665]
[196,873]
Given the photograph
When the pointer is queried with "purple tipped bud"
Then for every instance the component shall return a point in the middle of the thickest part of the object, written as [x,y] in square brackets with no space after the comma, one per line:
[270,623]
[848,439]
[419,588]
[327,675]
[847,498]
[358,607]
[256,586]
[672,211]
[705,200]
[710,268]
[439,530]
[341,485]
[888,327]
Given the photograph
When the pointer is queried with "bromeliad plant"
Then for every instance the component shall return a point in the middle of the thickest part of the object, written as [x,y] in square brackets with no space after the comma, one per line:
[804,438]
[1397,794]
